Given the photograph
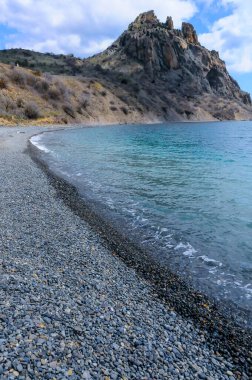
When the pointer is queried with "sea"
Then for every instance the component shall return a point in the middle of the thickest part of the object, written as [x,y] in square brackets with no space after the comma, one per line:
[181,191]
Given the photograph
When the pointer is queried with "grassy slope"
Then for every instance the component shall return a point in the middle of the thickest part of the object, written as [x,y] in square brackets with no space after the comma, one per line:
[88,94]
[27,95]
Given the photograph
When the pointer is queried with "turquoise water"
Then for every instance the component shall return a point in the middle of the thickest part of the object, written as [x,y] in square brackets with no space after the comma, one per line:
[181,191]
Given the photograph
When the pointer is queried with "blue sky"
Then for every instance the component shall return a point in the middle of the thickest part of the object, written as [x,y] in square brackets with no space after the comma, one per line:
[85,27]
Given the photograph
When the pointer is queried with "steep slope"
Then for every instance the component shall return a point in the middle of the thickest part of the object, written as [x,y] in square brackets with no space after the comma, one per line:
[172,62]
[28,97]
[151,73]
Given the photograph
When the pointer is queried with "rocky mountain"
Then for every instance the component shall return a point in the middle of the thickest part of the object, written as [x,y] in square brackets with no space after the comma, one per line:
[173,62]
[151,73]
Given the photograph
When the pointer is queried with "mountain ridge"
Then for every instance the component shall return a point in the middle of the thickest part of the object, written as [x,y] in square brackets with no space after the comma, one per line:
[151,73]
[162,51]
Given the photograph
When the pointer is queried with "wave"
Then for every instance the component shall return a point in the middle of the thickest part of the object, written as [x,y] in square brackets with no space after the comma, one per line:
[36,140]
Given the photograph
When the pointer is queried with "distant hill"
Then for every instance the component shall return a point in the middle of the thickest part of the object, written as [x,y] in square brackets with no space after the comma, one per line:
[151,73]
[45,62]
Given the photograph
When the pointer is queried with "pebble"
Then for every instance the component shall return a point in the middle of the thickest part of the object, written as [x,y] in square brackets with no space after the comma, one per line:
[71,309]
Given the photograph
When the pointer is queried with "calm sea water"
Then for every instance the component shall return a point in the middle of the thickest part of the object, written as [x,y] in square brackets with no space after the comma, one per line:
[181,191]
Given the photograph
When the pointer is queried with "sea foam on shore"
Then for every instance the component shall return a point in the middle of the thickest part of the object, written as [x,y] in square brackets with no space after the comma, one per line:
[69,307]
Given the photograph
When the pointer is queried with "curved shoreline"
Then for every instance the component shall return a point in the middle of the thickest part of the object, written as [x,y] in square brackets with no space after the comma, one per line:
[223,333]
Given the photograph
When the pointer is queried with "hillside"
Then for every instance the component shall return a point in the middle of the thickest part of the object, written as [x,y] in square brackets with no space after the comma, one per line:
[151,73]
[45,62]
[28,96]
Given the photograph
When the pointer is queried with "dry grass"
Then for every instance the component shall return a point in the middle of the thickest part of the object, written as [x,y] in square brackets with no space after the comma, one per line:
[27,95]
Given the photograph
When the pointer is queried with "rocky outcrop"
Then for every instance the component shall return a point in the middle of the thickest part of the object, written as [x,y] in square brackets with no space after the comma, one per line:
[151,73]
[169,23]
[155,52]
[189,33]
[146,19]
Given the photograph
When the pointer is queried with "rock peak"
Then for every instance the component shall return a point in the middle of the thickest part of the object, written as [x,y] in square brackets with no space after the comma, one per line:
[189,33]
[169,23]
[146,18]
[171,61]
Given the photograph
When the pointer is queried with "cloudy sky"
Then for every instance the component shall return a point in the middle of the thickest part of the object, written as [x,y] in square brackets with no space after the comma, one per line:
[84,27]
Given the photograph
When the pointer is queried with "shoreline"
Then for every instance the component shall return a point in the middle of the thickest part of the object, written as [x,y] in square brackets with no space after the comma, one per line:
[71,308]
[223,332]
[31,124]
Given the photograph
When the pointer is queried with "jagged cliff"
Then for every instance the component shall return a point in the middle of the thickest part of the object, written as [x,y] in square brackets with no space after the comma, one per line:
[151,73]
[172,60]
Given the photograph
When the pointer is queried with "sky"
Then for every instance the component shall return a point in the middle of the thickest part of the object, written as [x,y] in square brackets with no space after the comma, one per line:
[84,27]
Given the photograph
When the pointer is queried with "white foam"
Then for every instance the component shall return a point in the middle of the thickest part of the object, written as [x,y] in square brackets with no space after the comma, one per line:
[35,141]
[179,246]
[246,286]
[169,245]
[207,260]
[248,290]
[221,282]
[213,271]
[189,250]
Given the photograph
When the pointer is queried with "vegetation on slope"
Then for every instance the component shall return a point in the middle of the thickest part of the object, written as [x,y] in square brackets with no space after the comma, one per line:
[27,96]
[48,62]
[152,73]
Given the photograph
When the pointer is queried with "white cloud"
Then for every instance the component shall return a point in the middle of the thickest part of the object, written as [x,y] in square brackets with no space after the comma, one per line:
[232,36]
[80,26]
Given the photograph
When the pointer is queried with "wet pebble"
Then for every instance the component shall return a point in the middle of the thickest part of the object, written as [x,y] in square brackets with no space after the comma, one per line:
[72,310]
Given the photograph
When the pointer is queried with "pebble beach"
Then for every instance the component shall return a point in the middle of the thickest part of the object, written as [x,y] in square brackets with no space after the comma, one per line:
[71,308]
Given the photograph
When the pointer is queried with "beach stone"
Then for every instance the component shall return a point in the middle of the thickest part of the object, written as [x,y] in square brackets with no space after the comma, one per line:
[202,376]
[86,375]
[55,322]
[19,367]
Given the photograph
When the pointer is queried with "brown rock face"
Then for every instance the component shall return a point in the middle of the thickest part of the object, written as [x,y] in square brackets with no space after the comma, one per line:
[169,23]
[189,33]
